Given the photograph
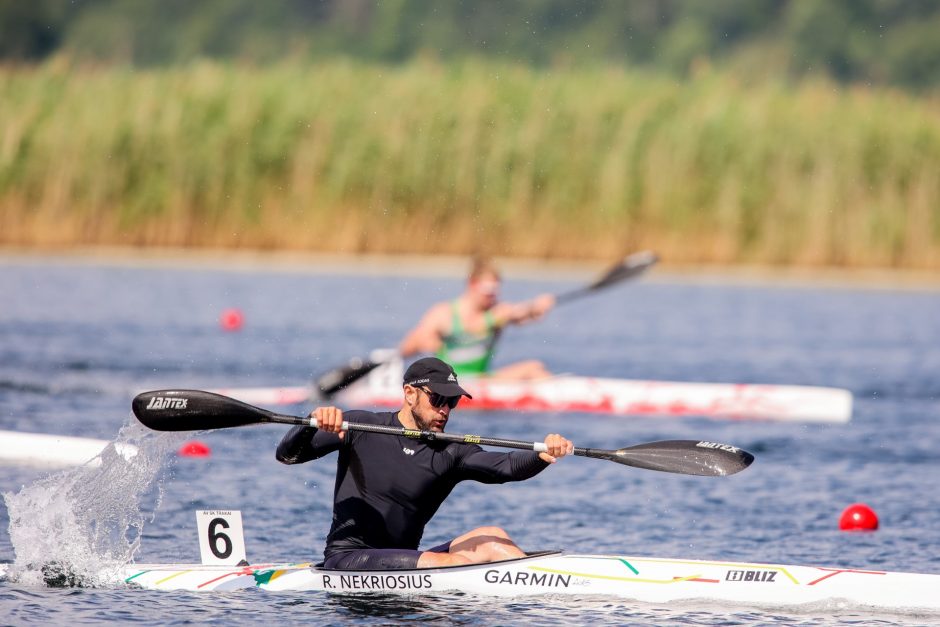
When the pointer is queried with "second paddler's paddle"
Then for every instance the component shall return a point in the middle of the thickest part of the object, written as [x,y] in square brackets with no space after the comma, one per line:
[627,268]
[195,410]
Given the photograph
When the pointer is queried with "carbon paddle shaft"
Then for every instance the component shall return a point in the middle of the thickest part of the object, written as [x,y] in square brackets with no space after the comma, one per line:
[685,457]
[196,410]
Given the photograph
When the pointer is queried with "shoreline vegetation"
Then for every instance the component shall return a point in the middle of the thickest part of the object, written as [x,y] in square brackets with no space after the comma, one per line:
[456,267]
[472,157]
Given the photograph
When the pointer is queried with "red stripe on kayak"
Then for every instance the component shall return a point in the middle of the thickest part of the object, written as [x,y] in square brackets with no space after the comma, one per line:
[838,571]
[238,573]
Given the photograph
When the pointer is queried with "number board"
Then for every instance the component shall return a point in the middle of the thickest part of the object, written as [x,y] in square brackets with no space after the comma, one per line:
[221,539]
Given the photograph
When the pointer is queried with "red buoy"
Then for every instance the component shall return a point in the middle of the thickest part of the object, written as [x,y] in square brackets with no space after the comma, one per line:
[231,319]
[194,448]
[858,517]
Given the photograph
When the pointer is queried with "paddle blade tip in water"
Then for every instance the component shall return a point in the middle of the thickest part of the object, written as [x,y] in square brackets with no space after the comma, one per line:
[338,379]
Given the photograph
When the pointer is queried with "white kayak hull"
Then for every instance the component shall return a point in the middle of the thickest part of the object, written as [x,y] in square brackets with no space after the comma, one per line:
[45,450]
[626,397]
[643,579]
[621,397]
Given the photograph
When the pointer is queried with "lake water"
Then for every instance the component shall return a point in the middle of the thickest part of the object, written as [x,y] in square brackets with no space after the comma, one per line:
[78,340]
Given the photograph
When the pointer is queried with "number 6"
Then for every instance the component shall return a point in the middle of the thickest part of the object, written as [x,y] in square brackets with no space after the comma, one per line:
[215,537]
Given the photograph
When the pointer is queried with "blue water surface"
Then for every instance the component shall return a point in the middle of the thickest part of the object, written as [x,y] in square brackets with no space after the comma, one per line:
[78,340]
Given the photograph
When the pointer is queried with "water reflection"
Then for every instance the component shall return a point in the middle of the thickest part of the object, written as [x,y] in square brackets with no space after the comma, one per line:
[439,608]
[884,346]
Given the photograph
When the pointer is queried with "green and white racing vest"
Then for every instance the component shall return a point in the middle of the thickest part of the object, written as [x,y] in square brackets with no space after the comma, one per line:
[469,353]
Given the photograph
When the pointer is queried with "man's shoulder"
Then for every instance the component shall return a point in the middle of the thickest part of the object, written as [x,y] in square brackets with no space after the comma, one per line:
[501,313]
[441,309]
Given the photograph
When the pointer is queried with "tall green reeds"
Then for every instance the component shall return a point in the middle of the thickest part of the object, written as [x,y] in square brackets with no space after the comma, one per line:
[437,158]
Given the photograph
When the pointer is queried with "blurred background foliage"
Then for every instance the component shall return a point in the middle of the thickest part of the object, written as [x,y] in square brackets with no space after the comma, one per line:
[801,132]
[885,42]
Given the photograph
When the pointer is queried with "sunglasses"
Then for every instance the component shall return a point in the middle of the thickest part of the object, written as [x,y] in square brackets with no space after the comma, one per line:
[439,400]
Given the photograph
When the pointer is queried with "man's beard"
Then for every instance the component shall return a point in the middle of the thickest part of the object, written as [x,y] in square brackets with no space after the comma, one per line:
[423,425]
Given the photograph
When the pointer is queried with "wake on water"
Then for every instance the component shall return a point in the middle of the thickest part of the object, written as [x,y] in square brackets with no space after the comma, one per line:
[77,525]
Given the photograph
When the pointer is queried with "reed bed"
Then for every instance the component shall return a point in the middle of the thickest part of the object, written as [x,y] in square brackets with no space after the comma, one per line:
[471,157]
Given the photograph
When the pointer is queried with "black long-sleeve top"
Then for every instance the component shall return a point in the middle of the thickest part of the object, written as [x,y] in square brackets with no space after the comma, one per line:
[389,487]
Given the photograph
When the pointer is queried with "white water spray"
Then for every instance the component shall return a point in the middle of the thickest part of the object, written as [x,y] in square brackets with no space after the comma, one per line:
[79,525]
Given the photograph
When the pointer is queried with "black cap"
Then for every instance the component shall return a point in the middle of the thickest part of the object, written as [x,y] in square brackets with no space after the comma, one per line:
[435,374]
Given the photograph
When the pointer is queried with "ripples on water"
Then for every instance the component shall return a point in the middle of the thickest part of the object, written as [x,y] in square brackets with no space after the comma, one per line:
[78,341]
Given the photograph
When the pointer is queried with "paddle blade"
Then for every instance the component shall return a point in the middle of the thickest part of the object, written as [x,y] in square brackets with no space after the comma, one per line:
[194,410]
[337,379]
[686,457]
[631,266]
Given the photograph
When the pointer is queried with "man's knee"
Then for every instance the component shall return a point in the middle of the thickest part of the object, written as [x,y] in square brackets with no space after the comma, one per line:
[430,559]
[531,369]
[490,532]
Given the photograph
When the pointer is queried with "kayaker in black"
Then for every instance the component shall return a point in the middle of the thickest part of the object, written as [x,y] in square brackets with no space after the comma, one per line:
[389,487]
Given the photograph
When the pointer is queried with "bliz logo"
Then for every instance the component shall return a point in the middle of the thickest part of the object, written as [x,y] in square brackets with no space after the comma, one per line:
[408,451]
[750,575]
[718,445]
[162,402]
